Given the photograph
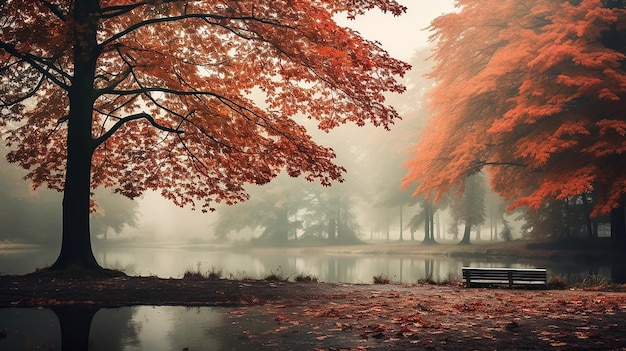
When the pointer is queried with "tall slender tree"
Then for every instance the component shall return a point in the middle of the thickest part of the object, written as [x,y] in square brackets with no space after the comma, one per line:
[382,165]
[468,208]
[154,95]
[425,218]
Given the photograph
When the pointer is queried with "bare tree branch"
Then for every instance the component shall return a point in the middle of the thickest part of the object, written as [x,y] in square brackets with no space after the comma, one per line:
[29,94]
[205,17]
[37,63]
[112,84]
[55,9]
[124,120]
[113,11]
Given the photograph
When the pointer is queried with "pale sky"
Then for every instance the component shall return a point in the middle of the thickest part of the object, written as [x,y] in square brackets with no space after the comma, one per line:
[401,36]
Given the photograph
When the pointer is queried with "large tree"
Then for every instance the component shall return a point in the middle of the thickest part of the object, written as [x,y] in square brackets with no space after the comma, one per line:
[534,90]
[156,95]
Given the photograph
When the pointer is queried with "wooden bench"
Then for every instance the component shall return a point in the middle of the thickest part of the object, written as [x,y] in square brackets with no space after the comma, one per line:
[536,277]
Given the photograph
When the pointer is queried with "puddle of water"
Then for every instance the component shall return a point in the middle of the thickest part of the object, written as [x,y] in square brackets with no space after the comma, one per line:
[155,328]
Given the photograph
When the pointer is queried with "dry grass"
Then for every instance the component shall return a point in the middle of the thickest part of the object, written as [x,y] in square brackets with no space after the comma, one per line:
[382,279]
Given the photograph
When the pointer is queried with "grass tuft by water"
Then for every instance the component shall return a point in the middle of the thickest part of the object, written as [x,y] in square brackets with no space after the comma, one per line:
[382,279]
[306,278]
[277,276]
[213,273]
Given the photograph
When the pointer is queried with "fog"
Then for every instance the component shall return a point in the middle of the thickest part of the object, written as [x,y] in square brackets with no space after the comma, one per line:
[369,205]
[366,229]
[371,194]
[402,37]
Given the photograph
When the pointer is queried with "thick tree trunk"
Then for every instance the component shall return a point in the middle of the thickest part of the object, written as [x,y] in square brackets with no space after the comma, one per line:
[76,251]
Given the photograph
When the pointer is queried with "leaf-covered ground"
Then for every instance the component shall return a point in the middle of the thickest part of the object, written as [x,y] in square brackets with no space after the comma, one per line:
[326,316]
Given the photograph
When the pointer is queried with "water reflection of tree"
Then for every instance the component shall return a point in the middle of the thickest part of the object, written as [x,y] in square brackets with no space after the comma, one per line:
[198,328]
[115,328]
[112,328]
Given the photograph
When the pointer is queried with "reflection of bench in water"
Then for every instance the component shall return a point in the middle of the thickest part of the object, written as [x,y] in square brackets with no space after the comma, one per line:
[510,276]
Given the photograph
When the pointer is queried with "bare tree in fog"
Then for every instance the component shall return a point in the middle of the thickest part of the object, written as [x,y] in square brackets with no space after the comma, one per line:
[495,211]
[329,214]
[112,213]
[424,218]
[289,210]
[271,209]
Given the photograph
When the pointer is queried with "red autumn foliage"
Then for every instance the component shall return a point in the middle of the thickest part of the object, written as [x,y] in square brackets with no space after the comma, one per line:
[533,90]
[194,99]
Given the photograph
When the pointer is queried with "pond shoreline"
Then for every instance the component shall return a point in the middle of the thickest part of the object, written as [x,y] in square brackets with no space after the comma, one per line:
[599,248]
[516,250]
[350,316]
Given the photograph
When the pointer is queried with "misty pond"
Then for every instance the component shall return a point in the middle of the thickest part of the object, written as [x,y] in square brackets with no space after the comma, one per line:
[215,328]
[172,262]
[138,328]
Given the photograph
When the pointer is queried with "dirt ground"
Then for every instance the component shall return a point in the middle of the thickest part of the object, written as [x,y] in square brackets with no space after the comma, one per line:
[325,316]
